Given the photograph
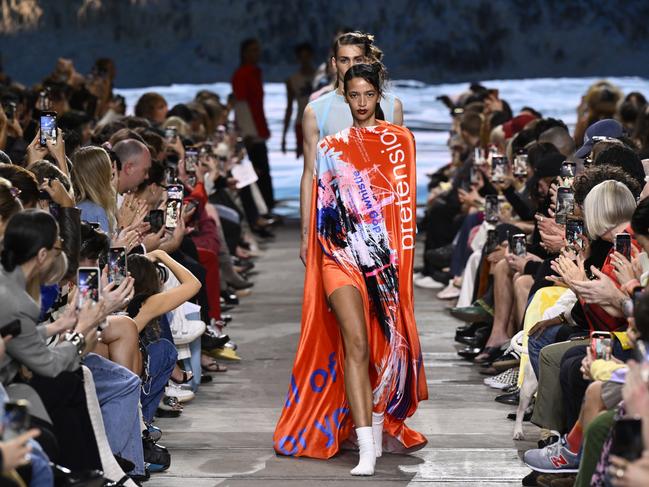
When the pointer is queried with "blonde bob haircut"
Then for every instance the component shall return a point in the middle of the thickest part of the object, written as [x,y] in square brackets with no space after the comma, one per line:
[606,206]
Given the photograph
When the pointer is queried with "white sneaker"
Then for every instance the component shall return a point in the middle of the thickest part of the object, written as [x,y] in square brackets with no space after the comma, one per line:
[449,292]
[503,380]
[417,275]
[428,283]
[189,331]
[182,395]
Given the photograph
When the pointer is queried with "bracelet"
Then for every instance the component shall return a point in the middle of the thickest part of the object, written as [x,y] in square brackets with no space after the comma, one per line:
[76,339]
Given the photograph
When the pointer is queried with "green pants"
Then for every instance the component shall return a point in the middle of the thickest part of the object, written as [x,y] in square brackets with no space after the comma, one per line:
[594,438]
[548,410]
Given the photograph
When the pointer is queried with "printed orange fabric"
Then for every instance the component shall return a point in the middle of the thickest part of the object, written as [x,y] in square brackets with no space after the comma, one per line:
[363,218]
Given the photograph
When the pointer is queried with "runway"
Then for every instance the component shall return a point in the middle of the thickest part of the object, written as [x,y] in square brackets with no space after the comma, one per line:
[224,437]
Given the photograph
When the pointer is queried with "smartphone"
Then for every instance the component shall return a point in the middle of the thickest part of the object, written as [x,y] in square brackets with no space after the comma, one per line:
[10,110]
[574,228]
[520,165]
[627,439]
[567,174]
[15,420]
[173,213]
[170,134]
[11,329]
[519,247]
[491,213]
[191,160]
[117,266]
[191,204]
[492,241]
[565,205]
[88,285]
[48,127]
[44,195]
[155,218]
[600,345]
[623,245]
[498,168]
[175,192]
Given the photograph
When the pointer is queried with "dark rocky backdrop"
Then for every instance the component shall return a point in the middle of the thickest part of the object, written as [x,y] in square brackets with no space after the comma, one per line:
[177,41]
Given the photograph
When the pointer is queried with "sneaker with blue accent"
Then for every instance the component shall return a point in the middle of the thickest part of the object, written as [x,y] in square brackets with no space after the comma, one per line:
[553,458]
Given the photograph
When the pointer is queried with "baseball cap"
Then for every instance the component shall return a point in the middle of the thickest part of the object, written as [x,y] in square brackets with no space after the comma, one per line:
[603,128]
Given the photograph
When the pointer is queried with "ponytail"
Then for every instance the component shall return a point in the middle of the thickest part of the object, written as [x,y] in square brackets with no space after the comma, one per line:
[8,260]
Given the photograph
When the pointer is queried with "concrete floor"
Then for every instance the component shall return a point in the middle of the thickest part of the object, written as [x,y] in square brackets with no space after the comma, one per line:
[224,437]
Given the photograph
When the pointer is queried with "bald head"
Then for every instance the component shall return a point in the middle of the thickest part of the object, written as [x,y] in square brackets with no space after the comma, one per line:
[136,161]
[560,138]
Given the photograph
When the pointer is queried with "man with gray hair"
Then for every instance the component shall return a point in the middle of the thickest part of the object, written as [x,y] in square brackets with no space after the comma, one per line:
[135,160]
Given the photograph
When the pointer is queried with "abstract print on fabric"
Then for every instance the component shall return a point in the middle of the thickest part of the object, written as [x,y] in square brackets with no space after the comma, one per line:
[363,213]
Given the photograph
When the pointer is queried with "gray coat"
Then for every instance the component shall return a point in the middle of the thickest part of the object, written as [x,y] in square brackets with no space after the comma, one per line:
[29,348]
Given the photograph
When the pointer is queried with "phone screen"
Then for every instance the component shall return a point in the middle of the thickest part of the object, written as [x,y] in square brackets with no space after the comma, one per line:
[491,208]
[520,165]
[623,244]
[171,134]
[191,160]
[175,192]
[565,205]
[574,228]
[492,241]
[117,266]
[499,168]
[567,174]
[173,213]
[15,420]
[600,345]
[518,245]
[48,127]
[88,284]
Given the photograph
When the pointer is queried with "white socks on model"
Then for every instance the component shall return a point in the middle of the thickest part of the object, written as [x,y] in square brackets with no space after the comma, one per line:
[377,433]
[367,453]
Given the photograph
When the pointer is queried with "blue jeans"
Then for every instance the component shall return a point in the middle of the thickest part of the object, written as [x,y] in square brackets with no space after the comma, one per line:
[162,360]
[42,475]
[118,392]
[537,342]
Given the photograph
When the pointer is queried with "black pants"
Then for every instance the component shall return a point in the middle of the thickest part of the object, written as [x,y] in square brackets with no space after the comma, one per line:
[64,399]
[258,154]
[573,384]
[187,255]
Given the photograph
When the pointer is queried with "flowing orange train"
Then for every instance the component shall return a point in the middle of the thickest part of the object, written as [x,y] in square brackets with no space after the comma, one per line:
[363,220]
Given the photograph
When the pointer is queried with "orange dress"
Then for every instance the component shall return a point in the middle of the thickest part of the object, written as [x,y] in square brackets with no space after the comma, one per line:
[362,233]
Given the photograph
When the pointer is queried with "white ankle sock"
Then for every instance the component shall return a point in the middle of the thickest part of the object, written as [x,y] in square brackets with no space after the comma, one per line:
[377,433]
[367,459]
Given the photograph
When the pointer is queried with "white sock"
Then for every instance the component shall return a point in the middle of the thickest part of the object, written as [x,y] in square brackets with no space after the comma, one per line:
[367,459]
[377,433]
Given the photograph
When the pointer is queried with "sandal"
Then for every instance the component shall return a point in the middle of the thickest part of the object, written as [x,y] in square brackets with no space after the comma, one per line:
[214,366]
[187,376]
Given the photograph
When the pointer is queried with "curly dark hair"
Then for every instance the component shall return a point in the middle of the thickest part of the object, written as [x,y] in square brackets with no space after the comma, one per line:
[594,175]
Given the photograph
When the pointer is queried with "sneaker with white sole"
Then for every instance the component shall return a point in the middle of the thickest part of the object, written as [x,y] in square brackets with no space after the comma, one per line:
[428,283]
[182,395]
[554,458]
[503,380]
[449,292]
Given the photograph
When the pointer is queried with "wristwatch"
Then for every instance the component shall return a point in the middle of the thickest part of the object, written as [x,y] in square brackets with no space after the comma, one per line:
[76,339]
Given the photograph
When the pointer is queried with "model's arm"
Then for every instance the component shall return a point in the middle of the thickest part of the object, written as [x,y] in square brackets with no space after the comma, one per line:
[290,96]
[311,136]
[398,112]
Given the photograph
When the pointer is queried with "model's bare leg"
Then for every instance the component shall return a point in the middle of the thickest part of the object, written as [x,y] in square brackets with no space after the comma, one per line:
[347,304]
